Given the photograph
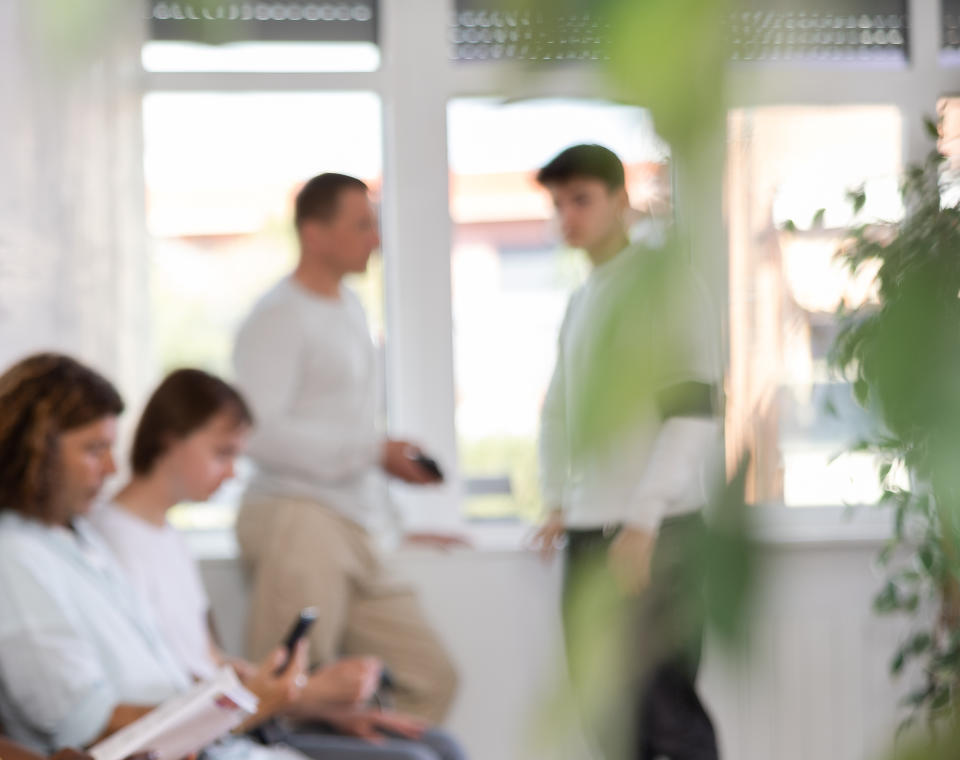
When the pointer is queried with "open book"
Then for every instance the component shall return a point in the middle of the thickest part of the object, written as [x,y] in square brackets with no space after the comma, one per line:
[184,724]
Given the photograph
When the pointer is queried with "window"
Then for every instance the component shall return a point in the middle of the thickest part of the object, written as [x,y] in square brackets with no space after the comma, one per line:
[784,407]
[511,278]
[222,170]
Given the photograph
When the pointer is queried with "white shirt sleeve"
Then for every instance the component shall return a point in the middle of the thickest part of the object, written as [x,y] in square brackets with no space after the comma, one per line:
[687,453]
[48,667]
[268,356]
[553,446]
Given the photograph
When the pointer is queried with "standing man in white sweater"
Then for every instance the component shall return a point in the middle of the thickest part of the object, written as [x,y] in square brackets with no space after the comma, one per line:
[628,447]
[306,363]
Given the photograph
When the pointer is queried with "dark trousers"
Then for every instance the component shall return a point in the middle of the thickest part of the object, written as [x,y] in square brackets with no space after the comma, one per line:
[646,705]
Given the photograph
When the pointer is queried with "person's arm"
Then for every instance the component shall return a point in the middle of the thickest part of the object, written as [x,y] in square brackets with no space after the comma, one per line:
[12,751]
[554,455]
[684,459]
[372,725]
[268,357]
[553,442]
[276,691]
[123,716]
[685,455]
[52,672]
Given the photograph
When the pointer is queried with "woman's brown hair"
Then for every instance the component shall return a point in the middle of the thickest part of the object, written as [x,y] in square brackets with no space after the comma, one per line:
[183,403]
[42,397]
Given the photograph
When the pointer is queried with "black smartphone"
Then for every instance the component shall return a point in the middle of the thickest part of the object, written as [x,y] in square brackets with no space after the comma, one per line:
[299,629]
[430,465]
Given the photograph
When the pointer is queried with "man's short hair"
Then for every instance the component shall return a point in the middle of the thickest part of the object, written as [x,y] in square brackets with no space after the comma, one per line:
[584,161]
[42,397]
[319,198]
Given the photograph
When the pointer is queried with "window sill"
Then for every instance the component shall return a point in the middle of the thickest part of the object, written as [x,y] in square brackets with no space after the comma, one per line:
[774,525]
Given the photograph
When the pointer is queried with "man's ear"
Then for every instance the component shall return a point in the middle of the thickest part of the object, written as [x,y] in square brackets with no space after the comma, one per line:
[622,196]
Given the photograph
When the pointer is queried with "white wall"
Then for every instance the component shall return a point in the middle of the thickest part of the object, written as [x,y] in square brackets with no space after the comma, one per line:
[72,237]
[813,683]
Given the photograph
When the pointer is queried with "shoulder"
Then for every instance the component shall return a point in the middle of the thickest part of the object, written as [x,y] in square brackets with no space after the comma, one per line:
[110,525]
[352,302]
[21,538]
[29,561]
[275,324]
[281,303]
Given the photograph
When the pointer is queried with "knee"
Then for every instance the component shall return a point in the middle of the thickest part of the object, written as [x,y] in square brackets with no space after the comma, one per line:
[445,681]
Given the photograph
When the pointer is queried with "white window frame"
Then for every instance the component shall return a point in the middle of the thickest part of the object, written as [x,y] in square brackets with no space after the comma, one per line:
[416,80]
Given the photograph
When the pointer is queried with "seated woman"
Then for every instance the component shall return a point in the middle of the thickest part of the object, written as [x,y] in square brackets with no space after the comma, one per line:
[191,431]
[80,653]
[186,442]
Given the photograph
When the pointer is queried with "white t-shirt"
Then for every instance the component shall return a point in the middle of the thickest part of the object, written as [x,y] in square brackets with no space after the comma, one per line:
[160,566]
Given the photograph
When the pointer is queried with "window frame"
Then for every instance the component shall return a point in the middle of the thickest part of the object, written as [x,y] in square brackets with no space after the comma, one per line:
[416,79]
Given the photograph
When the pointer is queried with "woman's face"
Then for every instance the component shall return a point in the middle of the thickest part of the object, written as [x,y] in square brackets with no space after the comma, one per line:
[201,462]
[86,461]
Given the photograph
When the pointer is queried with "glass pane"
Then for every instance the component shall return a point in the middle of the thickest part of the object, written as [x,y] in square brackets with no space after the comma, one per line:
[949,145]
[511,281]
[784,406]
[222,170]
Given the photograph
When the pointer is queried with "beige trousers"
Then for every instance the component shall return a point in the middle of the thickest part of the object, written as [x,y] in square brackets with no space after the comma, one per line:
[301,554]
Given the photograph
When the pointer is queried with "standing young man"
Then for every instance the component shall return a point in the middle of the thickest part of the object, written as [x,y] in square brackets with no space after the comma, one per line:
[625,492]
[305,362]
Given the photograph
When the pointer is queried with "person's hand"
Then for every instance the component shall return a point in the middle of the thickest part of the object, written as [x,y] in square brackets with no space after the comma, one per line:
[246,671]
[442,541]
[375,726]
[75,754]
[629,558]
[548,537]
[70,754]
[277,691]
[350,681]
[397,460]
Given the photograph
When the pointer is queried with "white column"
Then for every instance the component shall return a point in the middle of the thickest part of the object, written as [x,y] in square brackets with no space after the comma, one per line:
[919,99]
[416,241]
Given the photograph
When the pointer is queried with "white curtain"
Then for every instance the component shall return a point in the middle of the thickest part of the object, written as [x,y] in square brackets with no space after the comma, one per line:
[73,263]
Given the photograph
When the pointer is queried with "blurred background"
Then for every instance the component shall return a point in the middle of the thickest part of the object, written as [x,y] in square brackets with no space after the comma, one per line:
[150,157]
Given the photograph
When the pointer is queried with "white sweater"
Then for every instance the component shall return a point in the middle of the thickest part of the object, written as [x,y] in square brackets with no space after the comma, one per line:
[308,368]
[620,335]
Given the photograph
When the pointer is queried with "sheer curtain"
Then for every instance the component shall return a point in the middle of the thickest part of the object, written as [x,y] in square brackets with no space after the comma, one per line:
[73,269]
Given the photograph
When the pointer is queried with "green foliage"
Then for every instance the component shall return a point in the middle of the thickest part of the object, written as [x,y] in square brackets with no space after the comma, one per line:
[70,35]
[902,355]
[666,55]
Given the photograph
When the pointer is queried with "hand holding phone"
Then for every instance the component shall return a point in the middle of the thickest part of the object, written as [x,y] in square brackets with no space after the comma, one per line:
[428,464]
[301,626]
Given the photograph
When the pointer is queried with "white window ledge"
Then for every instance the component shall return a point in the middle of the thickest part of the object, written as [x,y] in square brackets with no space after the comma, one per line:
[774,525]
